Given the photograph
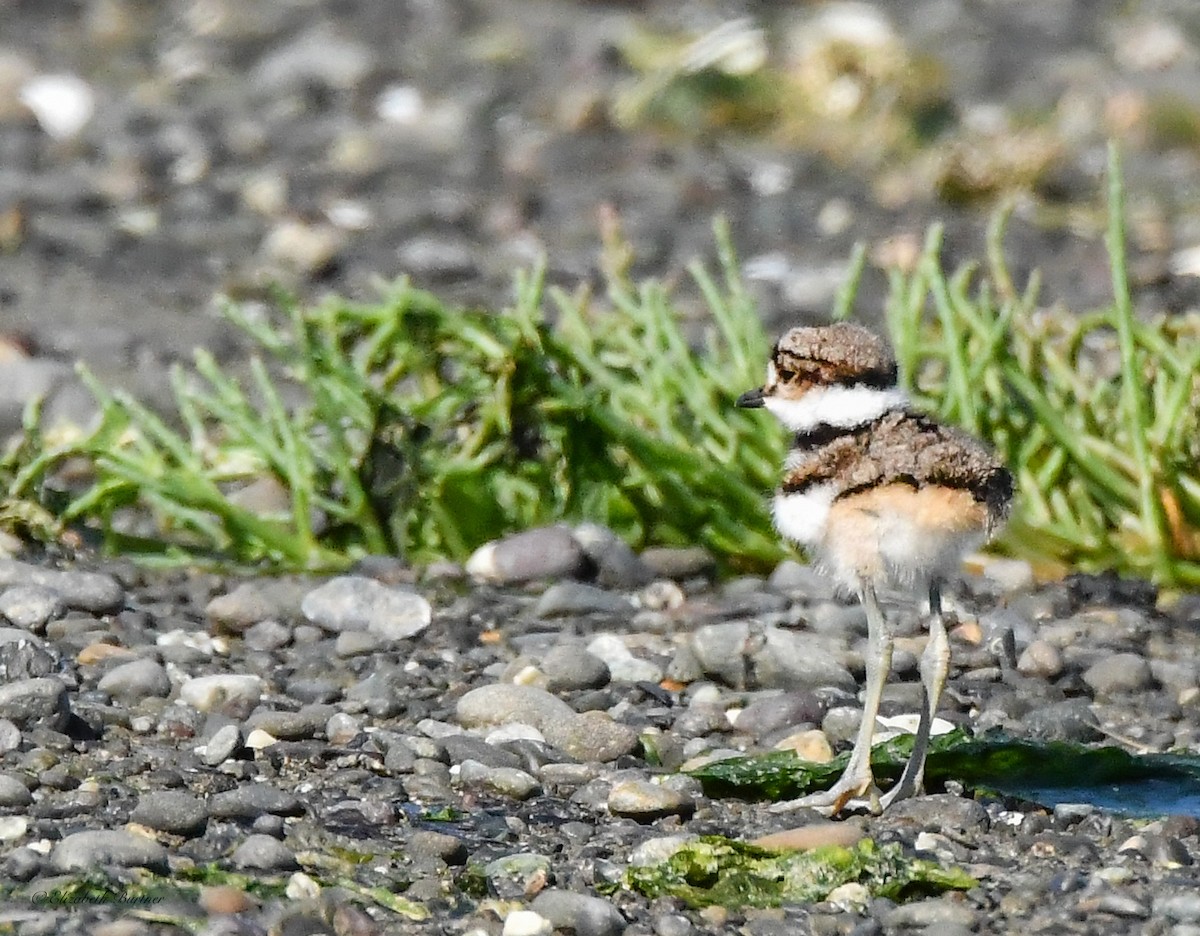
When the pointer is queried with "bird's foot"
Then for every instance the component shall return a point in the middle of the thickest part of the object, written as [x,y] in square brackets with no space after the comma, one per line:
[845,795]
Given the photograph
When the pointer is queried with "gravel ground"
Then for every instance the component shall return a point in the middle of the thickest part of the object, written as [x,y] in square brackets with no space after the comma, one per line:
[294,730]
[285,726]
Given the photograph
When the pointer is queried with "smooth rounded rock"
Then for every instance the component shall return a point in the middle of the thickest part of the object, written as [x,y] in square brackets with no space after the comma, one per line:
[251,602]
[137,679]
[84,851]
[644,801]
[1041,658]
[30,606]
[234,694]
[581,914]
[356,603]
[35,703]
[84,591]
[543,553]
[504,781]
[500,703]
[572,598]
[251,800]
[591,736]
[263,853]
[13,792]
[569,667]
[174,811]
[1121,672]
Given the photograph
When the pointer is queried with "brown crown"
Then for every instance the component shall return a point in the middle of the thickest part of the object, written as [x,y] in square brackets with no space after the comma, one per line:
[834,354]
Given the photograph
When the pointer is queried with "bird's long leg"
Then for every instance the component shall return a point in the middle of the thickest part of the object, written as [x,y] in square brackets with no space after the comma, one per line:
[935,665]
[857,780]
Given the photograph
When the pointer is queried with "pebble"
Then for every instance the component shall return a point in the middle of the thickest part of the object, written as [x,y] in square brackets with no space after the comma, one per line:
[569,667]
[581,914]
[790,660]
[591,736]
[645,802]
[35,703]
[1041,658]
[137,679]
[263,853]
[173,811]
[84,851]
[574,598]
[620,662]
[941,811]
[518,875]
[1121,672]
[542,553]
[220,747]
[526,923]
[355,603]
[504,781]
[83,591]
[232,694]
[14,794]
[30,606]
[250,800]
[679,563]
[616,564]
[934,911]
[501,703]
[446,848]
[251,602]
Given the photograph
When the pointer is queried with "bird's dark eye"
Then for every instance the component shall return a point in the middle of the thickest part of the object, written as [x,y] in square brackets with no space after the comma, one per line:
[785,374]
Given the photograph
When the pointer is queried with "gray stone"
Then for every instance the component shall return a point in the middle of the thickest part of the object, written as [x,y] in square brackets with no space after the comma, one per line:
[84,591]
[542,553]
[581,914]
[617,565]
[1179,908]
[26,659]
[502,703]
[35,703]
[679,563]
[464,747]
[137,679]
[643,801]
[1068,720]
[591,736]
[569,666]
[268,635]
[250,800]
[929,912]
[510,876]
[10,736]
[263,853]
[505,781]
[30,606]
[175,811]
[769,712]
[1121,672]
[720,649]
[356,603]
[290,726]
[84,851]
[13,792]
[320,56]
[232,694]
[943,812]
[447,848]
[1041,658]
[252,602]
[220,747]
[791,578]
[574,598]
[790,660]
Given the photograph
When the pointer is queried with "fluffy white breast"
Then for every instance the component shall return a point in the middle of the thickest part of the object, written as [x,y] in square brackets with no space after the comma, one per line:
[801,516]
[840,407]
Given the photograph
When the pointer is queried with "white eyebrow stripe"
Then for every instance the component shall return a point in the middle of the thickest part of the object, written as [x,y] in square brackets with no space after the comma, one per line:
[838,407]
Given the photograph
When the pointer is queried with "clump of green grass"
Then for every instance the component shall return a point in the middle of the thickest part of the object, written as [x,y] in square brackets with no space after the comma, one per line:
[426,430]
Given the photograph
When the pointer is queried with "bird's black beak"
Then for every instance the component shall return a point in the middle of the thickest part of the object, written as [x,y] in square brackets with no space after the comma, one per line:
[751,399]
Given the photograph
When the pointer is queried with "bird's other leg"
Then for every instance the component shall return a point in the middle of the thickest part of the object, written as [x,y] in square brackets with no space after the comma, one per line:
[935,665]
[857,780]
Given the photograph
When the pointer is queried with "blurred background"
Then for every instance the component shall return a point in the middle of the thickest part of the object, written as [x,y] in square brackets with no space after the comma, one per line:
[154,155]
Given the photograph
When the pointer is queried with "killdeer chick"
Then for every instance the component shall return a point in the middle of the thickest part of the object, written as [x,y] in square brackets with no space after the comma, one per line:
[881,497]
